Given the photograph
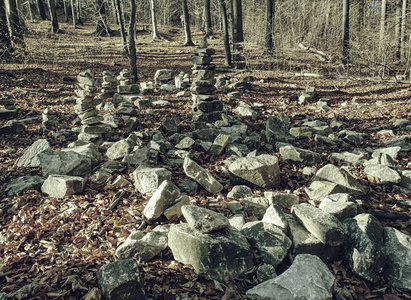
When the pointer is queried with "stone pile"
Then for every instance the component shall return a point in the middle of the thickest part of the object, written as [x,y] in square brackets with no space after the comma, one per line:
[49,120]
[7,101]
[92,126]
[206,105]
[109,85]
[127,85]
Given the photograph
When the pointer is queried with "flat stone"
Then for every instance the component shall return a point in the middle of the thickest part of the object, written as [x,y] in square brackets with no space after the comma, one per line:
[240,191]
[274,215]
[175,209]
[283,200]
[203,219]
[327,228]
[29,157]
[25,183]
[220,143]
[64,163]
[147,180]
[384,174]
[299,155]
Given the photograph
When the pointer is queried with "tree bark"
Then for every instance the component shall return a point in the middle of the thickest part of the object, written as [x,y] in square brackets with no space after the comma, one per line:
[13,23]
[186,20]
[79,20]
[122,30]
[154,20]
[207,19]
[382,24]
[360,15]
[131,42]
[269,27]
[238,35]
[226,36]
[53,16]
[73,13]
[346,32]
[398,29]
[403,28]
[5,43]
[66,11]
[42,12]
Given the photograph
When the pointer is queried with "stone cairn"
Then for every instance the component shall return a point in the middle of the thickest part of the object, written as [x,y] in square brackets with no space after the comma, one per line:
[206,105]
[109,85]
[7,101]
[92,128]
[49,120]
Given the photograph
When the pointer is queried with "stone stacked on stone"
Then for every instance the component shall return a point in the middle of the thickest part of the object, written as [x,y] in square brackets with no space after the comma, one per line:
[206,104]
[92,123]
[49,120]
[109,85]
[7,101]
[126,83]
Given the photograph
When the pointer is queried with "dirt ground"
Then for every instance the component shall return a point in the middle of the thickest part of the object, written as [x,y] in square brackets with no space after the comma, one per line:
[38,247]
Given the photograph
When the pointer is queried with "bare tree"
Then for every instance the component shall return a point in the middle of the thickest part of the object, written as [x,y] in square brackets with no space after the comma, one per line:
[207,19]
[13,23]
[269,27]
[154,20]
[121,21]
[131,42]
[226,36]
[346,32]
[73,13]
[186,21]
[42,11]
[398,29]
[238,35]
[382,23]
[5,43]
[53,16]
[403,27]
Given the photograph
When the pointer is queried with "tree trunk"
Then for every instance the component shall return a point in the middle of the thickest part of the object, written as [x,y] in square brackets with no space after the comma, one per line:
[13,23]
[122,30]
[73,13]
[403,28]
[5,43]
[269,27]
[360,15]
[79,20]
[346,32]
[398,29]
[226,36]
[186,22]
[42,12]
[382,24]
[102,28]
[53,16]
[66,11]
[154,20]
[207,19]
[131,42]
[238,35]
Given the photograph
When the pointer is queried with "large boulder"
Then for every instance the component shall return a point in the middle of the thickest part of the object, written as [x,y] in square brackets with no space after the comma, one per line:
[216,257]
[307,278]
[64,163]
[201,176]
[397,248]
[121,280]
[262,171]
[363,246]
[269,240]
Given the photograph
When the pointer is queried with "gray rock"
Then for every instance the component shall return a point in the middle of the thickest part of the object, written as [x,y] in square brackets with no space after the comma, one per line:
[64,163]
[265,272]
[363,246]
[25,183]
[203,219]
[237,221]
[138,156]
[239,192]
[351,137]
[300,281]
[406,179]
[246,112]
[397,249]
[216,257]
[220,143]
[121,280]
[298,155]
[165,195]
[277,131]
[100,177]
[147,180]
[283,200]
[186,143]
[175,209]
[13,127]
[339,207]
[391,151]
[256,206]
[189,186]
[402,141]
[235,131]
[60,186]
[89,150]
[335,180]
[201,176]
[269,240]
[274,215]
[324,226]
[237,149]
[384,174]
[113,166]
[305,242]
[142,246]
[119,149]
[301,132]
[29,157]
[168,126]
[262,171]
[348,157]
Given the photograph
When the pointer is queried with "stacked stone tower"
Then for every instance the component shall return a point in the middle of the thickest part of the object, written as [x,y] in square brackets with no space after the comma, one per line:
[206,105]
[92,128]
[109,85]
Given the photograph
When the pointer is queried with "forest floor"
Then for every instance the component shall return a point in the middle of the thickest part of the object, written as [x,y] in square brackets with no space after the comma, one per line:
[38,247]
